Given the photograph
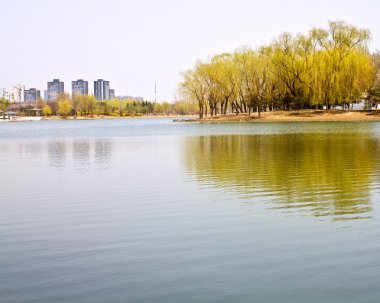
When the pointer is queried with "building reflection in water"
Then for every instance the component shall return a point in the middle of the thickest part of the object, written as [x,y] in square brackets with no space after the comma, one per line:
[57,154]
[34,148]
[103,152]
[81,154]
[321,174]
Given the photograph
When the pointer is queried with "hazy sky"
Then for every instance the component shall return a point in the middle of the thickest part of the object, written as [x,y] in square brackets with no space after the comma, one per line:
[134,44]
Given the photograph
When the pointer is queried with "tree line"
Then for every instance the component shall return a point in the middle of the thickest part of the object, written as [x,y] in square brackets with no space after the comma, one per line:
[87,105]
[324,68]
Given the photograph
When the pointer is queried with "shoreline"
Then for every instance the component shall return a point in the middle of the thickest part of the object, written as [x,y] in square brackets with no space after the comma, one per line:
[265,117]
[102,117]
[296,116]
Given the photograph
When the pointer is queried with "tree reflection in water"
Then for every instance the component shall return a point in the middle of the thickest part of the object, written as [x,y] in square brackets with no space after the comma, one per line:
[322,174]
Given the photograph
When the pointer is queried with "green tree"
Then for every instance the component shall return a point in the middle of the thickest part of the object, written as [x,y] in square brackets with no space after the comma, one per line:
[336,44]
[91,104]
[324,67]
[195,87]
[64,105]
[4,104]
[46,110]
[77,104]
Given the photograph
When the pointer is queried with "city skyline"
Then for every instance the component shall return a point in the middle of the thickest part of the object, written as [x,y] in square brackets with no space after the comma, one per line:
[150,42]
[19,93]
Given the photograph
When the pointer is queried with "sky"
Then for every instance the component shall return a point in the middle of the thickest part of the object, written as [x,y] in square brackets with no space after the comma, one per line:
[135,44]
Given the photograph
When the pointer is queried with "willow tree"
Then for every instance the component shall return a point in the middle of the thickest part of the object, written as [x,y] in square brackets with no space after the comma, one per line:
[250,81]
[210,74]
[307,50]
[375,58]
[324,67]
[272,87]
[355,77]
[225,79]
[374,92]
[289,68]
[194,86]
[337,43]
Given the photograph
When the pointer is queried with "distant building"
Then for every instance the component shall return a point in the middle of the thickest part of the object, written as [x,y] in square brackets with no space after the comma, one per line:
[54,89]
[130,97]
[79,87]
[112,93]
[6,94]
[102,90]
[14,94]
[31,95]
[45,94]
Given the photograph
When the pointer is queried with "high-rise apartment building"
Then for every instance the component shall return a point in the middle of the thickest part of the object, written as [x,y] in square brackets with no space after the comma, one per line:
[54,89]
[79,87]
[31,95]
[102,90]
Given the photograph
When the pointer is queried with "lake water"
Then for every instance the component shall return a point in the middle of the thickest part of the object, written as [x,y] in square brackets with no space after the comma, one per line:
[147,210]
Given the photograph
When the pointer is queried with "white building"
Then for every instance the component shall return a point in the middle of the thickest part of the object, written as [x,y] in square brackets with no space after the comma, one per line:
[14,94]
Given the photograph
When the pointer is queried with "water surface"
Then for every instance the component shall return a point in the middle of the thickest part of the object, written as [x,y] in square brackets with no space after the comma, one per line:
[147,210]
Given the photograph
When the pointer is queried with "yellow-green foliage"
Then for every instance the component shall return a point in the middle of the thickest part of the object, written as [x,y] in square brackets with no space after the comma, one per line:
[46,110]
[4,104]
[64,105]
[325,67]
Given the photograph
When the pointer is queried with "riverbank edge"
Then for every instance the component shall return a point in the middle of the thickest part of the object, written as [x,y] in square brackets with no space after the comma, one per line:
[294,116]
[102,117]
[265,117]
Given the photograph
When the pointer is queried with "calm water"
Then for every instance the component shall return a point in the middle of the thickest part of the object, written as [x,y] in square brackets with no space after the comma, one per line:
[154,211]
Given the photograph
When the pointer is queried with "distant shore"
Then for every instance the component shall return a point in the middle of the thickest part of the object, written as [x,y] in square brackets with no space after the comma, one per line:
[268,116]
[99,117]
[295,116]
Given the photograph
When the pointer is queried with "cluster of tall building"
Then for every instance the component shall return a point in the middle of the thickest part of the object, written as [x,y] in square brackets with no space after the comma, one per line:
[102,90]
[18,94]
